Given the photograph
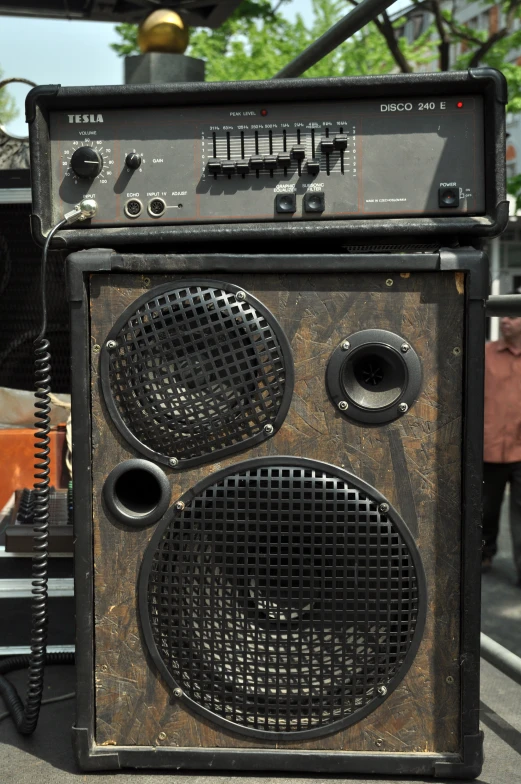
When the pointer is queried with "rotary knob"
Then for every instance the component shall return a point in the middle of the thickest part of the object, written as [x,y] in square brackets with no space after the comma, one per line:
[133,160]
[87,162]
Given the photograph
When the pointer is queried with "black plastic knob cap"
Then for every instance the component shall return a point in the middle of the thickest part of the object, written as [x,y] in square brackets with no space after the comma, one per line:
[133,160]
[86,162]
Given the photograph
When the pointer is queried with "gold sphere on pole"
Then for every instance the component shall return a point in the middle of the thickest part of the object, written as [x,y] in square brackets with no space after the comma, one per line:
[163,31]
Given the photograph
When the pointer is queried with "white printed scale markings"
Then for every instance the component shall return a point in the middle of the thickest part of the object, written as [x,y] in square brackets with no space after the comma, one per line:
[104,152]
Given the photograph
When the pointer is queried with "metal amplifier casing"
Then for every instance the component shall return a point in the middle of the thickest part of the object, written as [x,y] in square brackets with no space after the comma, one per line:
[289,160]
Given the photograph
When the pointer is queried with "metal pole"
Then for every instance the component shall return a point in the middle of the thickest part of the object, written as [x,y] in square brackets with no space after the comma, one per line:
[347,26]
[504,305]
[501,658]
[495,274]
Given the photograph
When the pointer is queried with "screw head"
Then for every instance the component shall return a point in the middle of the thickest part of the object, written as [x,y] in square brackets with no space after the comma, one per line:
[96,348]
[345,345]
[268,429]
[178,692]
[111,344]
[449,679]
[379,742]
[403,407]
[146,282]
[241,296]
[382,690]
[389,282]
[179,505]
[383,508]
[405,348]
[343,405]
[162,736]
[173,462]
[456,351]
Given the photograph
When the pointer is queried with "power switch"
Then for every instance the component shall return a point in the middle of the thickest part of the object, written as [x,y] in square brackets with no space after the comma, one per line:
[448,196]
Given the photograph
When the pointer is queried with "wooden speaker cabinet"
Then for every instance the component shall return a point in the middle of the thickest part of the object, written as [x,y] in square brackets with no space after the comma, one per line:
[277,475]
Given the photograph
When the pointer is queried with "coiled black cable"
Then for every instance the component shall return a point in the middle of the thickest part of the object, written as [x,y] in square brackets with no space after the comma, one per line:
[26,717]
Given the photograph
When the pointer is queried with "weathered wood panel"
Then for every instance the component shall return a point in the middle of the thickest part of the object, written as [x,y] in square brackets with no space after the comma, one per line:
[415,462]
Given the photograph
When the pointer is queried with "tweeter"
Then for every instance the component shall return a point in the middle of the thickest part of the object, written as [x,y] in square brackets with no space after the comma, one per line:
[373,377]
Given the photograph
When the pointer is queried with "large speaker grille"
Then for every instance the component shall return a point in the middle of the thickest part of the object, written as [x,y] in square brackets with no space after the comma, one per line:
[196,371]
[285,597]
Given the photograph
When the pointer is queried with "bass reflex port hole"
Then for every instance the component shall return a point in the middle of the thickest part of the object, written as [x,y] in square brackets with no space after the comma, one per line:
[137,493]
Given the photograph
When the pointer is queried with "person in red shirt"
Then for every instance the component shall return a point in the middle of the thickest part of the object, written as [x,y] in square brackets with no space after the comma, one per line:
[502,449]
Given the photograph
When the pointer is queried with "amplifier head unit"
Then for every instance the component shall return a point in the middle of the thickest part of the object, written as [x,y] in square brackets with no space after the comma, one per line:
[380,157]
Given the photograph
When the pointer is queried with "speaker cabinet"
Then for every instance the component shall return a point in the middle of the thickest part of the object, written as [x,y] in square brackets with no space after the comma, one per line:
[277,465]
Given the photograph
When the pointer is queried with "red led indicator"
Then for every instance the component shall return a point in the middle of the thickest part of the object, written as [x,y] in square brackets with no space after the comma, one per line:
[264,112]
[460,104]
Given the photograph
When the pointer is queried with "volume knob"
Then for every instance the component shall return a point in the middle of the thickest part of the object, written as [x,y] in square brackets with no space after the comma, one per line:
[86,162]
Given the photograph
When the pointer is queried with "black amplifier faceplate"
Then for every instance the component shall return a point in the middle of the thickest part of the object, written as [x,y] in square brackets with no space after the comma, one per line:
[399,155]
[349,159]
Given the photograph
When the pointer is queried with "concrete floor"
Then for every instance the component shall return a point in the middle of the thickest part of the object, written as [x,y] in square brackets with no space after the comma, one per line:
[500,597]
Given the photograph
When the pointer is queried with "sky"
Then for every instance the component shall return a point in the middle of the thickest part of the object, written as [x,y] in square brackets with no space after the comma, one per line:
[53,51]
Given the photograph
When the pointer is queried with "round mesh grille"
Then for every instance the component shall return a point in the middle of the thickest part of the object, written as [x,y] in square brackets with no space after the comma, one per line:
[281,599]
[196,372]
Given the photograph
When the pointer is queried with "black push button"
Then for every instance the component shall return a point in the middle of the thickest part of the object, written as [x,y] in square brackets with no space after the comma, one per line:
[326,145]
[228,167]
[313,166]
[256,162]
[243,167]
[215,166]
[448,196]
[285,202]
[270,162]
[314,201]
[340,141]
[298,152]
[284,159]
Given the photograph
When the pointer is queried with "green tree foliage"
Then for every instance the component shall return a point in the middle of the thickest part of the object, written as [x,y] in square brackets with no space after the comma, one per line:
[8,110]
[257,40]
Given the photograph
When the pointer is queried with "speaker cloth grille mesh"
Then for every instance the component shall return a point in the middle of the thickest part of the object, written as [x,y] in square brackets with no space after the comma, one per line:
[195,371]
[283,598]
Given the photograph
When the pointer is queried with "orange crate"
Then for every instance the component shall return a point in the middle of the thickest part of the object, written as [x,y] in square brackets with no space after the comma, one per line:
[17,460]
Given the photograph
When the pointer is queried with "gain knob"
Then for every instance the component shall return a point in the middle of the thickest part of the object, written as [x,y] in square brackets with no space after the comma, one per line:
[87,162]
[133,160]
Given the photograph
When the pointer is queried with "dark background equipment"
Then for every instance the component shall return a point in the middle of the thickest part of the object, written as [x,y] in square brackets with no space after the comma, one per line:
[318,587]
[284,161]
[196,13]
